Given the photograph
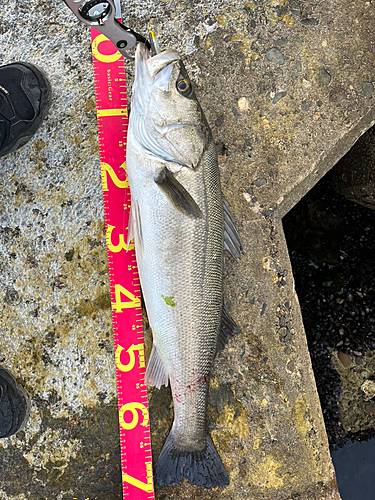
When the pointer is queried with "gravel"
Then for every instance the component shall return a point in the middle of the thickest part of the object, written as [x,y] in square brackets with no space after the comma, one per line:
[332,248]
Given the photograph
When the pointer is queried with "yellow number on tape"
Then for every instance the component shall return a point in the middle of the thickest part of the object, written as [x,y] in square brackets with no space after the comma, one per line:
[133,407]
[140,484]
[118,306]
[130,351]
[105,168]
[105,58]
[121,241]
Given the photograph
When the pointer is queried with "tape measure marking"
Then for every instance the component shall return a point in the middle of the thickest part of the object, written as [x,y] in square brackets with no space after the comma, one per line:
[111,103]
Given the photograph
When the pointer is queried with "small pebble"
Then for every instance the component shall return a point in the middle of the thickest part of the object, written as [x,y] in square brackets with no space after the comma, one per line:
[219,121]
[275,56]
[235,111]
[243,104]
[271,160]
[309,22]
[282,332]
[316,116]
[291,366]
[367,89]
[295,8]
[260,182]
[306,105]
[345,359]
[324,77]
[306,84]
[279,95]
[282,42]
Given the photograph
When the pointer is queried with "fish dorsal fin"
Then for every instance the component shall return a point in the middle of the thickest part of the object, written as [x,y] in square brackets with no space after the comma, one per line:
[155,373]
[232,240]
[228,328]
[177,194]
[135,227]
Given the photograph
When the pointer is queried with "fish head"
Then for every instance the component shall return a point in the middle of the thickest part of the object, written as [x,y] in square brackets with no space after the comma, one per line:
[166,117]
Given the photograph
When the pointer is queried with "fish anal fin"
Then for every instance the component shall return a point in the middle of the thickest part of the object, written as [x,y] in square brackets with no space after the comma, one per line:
[177,194]
[131,224]
[155,373]
[228,328]
[203,468]
[232,240]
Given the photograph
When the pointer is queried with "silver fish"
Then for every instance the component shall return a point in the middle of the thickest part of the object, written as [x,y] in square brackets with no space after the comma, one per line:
[180,227]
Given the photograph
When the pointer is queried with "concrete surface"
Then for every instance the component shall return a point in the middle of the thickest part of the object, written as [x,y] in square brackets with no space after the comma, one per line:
[287,87]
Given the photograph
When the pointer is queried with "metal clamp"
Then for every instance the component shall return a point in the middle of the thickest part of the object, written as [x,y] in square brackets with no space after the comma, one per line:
[100,14]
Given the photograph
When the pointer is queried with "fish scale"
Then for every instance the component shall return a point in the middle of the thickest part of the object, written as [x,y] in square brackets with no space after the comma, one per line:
[194,284]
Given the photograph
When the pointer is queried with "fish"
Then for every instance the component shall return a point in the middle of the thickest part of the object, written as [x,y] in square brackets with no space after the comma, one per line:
[180,225]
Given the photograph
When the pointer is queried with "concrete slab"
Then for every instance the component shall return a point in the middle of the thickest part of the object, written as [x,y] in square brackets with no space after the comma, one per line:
[287,88]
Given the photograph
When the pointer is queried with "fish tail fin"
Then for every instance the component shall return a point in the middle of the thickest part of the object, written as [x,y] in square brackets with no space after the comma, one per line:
[203,468]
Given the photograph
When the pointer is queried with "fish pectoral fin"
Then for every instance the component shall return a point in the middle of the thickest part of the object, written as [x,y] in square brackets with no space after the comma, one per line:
[232,240]
[135,227]
[228,328]
[155,373]
[177,194]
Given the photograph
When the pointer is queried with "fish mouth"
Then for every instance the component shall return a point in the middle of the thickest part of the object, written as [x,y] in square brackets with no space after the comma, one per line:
[156,64]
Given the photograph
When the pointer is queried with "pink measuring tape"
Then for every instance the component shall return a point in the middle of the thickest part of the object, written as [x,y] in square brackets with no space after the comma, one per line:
[111,103]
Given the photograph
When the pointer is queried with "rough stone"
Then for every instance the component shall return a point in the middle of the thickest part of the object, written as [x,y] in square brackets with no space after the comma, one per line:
[324,78]
[309,22]
[368,89]
[56,318]
[279,95]
[274,55]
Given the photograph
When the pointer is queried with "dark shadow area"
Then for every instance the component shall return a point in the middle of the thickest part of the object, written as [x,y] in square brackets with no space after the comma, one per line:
[331,243]
[357,457]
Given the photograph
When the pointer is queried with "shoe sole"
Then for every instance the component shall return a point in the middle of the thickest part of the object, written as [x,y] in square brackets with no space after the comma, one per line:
[8,377]
[45,102]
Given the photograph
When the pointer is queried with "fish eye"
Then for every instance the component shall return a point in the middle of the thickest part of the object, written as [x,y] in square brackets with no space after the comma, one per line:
[184,87]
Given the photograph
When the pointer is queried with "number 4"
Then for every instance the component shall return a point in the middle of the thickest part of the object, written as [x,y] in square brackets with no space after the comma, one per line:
[119,305]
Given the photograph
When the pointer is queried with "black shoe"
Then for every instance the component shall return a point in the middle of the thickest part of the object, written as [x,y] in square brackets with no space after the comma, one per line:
[14,405]
[25,97]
